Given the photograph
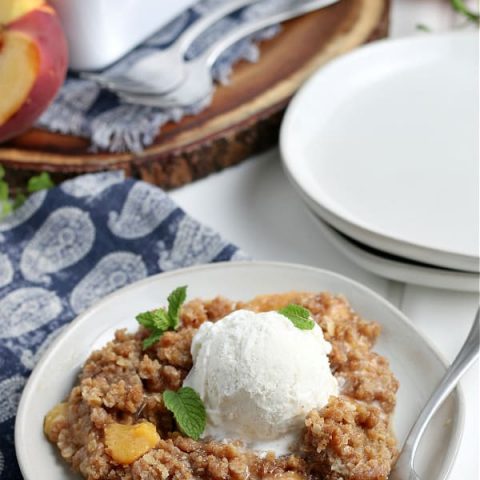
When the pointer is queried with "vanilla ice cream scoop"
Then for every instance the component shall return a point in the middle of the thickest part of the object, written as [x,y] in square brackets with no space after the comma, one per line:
[258,376]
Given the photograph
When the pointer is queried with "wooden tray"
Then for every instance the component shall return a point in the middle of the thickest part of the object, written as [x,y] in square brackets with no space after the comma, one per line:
[244,117]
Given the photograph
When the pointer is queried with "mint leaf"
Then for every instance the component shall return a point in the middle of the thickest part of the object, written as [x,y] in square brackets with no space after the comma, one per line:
[154,320]
[160,320]
[423,28]
[36,183]
[3,190]
[40,182]
[19,201]
[5,208]
[175,302]
[188,409]
[5,205]
[152,339]
[299,316]
[157,322]
[461,7]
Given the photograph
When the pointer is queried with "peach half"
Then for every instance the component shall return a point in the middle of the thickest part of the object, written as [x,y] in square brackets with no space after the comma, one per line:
[33,63]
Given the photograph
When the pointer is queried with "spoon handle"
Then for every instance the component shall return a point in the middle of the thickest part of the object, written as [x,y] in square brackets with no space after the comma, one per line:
[293,10]
[216,14]
[467,355]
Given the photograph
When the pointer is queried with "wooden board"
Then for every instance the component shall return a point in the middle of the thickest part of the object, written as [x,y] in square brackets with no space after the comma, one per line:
[244,117]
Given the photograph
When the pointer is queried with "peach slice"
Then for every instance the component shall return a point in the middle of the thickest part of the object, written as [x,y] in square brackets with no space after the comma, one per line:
[127,443]
[12,9]
[54,420]
[19,66]
[33,63]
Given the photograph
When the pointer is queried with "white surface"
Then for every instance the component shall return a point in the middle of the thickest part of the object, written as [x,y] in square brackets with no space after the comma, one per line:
[412,359]
[99,32]
[374,144]
[395,269]
[259,376]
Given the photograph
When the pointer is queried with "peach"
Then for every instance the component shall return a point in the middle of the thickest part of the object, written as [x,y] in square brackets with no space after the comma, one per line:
[55,420]
[33,62]
[127,443]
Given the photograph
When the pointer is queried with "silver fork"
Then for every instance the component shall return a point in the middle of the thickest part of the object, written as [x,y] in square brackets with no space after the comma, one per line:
[197,86]
[404,467]
[163,70]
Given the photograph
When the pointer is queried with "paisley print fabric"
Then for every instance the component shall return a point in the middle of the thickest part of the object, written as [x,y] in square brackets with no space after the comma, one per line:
[65,249]
[22,214]
[65,238]
[6,270]
[144,210]
[114,271]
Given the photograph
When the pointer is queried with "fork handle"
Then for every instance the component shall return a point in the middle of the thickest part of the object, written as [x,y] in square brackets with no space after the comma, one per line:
[210,56]
[467,355]
[199,26]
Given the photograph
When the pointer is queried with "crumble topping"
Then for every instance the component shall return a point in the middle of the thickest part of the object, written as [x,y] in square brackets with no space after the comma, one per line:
[350,438]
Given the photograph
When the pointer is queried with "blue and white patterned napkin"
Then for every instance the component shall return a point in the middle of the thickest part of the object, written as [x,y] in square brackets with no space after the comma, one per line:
[66,248]
[82,108]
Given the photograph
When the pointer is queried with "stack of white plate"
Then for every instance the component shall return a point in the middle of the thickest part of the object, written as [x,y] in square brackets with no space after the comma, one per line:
[382,145]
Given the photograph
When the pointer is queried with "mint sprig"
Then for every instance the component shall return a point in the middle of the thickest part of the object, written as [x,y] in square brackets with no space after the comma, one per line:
[188,409]
[160,320]
[39,182]
[461,7]
[9,204]
[5,205]
[175,301]
[298,315]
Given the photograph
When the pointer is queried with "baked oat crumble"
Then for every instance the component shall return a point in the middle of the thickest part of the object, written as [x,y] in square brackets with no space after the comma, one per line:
[350,438]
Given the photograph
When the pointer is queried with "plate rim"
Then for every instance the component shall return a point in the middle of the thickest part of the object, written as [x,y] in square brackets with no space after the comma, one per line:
[34,376]
[364,259]
[347,224]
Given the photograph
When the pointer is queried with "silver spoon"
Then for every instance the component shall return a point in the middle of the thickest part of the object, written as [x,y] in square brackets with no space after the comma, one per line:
[161,71]
[404,468]
[197,87]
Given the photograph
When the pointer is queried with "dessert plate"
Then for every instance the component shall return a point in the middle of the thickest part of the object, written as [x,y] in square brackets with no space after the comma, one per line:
[398,268]
[383,144]
[414,361]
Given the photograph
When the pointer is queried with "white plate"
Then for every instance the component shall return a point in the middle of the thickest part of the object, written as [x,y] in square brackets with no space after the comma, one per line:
[415,363]
[396,268]
[383,144]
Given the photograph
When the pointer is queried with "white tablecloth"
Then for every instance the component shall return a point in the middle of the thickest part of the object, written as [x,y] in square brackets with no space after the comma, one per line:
[254,206]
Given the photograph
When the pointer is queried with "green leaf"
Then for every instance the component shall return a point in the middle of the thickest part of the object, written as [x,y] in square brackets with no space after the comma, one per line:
[460,7]
[5,208]
[423,28]
[40,182]
[3,190]
[299,316]
[5,204]
[175,301]
[160,320]
[157,322]
[188,409]
[152,339]
[154,320]
[19,201]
